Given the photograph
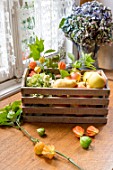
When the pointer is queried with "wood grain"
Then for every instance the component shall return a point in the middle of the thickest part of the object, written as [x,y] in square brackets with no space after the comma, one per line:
[16,151]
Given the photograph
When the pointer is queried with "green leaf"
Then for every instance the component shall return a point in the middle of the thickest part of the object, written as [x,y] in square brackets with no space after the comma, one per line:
[62,22]
[48,62]
[40,44]
[49,51]
[7,108]
[36,48]
[71,56]
[34,52]
[19,112]
[77,64]
[56,58]
[10,113]
[87,61]
[7,124]
[64,73]
[16,105]
[13,115]
[54,65]
[3,117]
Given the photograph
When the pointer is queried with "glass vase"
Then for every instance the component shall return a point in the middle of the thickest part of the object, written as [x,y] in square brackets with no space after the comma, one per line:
[86,50]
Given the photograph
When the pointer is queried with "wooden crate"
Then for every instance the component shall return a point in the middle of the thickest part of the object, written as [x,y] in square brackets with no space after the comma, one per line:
[65,105]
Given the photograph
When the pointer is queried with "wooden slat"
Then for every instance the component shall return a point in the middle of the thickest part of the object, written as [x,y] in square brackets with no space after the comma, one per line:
[63,100]
[65,119]
[65,110]
[65,91]
[24,77]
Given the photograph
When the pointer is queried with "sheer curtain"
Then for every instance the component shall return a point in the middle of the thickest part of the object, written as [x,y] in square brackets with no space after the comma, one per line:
[48,16]
[7,59]
[26,25]
[41,18]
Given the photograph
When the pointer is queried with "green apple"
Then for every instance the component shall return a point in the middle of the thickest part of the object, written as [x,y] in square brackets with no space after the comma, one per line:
[95,80]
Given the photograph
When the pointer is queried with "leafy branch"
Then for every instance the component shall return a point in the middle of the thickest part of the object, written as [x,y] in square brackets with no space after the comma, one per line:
[37,48]
[85,61]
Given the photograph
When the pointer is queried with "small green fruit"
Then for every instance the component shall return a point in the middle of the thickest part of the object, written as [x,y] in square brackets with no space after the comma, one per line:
[85,142]
[41,131]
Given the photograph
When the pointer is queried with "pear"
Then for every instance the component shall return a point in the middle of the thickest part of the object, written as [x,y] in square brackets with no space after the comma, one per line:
[86,75]
[95,80]
[81,84]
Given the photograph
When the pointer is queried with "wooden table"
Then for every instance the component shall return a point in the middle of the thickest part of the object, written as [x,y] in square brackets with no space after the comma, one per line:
[16,150]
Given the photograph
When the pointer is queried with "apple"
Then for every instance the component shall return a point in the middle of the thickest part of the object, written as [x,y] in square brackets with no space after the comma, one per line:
[95,80]
[76,76]
[68,78]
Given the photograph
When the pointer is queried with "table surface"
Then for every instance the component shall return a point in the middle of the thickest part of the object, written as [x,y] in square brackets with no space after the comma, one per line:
[17,151]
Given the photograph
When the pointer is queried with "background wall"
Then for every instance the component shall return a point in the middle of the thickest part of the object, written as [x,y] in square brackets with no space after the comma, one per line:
[105,55]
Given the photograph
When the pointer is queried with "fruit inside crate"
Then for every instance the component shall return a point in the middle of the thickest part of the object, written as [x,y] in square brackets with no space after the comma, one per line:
[65,105]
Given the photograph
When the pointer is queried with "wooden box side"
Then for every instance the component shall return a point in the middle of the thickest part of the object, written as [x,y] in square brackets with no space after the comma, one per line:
[66,119]
[26,72]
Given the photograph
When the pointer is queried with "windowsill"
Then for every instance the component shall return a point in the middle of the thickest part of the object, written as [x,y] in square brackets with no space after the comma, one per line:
[10,88]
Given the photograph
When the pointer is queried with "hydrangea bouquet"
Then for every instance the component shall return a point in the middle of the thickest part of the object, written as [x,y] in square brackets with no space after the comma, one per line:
[89,26]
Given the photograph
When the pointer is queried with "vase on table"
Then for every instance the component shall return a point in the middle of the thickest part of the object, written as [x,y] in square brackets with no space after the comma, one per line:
[93,49]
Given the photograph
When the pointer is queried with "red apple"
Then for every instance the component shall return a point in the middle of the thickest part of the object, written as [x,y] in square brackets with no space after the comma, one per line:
[76,76]
[68,77]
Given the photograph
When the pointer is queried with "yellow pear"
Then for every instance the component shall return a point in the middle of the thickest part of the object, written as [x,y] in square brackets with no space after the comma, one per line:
[86,75]
[95,80]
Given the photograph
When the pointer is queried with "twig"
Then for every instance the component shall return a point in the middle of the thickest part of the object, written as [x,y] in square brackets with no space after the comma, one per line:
[35,140]
[69,159]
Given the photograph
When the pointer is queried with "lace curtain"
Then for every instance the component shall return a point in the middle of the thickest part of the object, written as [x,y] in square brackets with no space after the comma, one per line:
[26,22]
[7,59]
[41,18]
[48,16]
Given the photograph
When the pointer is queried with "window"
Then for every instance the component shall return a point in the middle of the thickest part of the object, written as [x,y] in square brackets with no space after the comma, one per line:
[6,44]
[19,24]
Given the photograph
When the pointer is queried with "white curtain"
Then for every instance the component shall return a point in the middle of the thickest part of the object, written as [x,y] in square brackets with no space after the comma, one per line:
[26,25]
[7,58]
[41,18]
[48,16]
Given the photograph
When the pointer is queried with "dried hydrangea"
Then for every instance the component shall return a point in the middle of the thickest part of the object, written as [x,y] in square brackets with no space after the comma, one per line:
[89,25]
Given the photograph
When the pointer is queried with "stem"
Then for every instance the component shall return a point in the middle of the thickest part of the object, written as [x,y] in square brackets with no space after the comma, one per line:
[34,140]
[69,159]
